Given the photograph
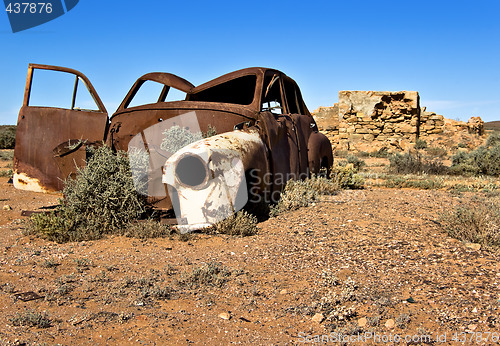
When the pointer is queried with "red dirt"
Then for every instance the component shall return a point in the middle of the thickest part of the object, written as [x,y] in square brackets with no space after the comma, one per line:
[387,241]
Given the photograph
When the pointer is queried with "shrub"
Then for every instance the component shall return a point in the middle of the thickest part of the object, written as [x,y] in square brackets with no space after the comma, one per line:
[211,131]
[7,136]
[31,318]
[341,153]
[437,152]
[345,177]
[493,140]
[420,144]
[300,193]
[6,173]
[147,229]
[208,274]
[381,153]
[240,223]
[479,223]
[483,160]
[424,184]
[409,163]
[356,162]
[7,155]
[101,200]
[177,137]
[403,320]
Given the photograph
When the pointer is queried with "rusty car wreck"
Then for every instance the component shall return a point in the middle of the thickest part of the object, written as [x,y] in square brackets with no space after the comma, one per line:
[262,135]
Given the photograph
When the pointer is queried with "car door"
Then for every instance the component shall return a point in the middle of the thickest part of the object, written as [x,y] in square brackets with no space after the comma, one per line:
[280,131]
[60,116]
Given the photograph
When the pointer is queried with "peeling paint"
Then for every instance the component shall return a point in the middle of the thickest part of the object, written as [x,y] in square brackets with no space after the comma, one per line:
[23,182]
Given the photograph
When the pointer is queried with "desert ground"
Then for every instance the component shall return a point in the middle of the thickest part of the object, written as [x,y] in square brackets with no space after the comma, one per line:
[374,266]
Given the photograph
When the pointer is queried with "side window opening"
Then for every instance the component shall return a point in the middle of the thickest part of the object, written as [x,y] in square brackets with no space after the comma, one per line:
[271,99]
[83,99]
[149,92]
[175,95]
[152,92]
[291,97]
[59,89]
[239,91]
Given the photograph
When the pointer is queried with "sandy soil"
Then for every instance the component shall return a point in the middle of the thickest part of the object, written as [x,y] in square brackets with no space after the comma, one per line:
[371,261]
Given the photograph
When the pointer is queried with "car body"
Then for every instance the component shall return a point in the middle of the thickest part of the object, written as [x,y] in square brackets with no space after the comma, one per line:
[258,113]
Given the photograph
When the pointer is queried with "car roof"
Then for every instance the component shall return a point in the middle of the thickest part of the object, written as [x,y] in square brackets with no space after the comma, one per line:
[232,75]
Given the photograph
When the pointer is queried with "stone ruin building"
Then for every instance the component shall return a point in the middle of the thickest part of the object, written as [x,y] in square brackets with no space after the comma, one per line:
[371,120]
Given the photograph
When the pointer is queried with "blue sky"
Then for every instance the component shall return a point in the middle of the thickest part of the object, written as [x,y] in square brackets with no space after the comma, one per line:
[449,51]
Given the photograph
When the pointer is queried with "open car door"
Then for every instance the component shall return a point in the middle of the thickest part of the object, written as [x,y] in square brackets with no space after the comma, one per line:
[60,116]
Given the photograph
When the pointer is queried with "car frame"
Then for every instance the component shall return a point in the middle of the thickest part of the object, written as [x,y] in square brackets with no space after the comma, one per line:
[285,144]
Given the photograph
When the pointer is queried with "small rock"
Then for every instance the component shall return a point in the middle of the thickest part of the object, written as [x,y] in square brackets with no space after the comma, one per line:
[225,316]
[475,310]
[362,322]
[472,327]
[318,318]
[283,291]
[7,207]
[473,246]
[389,324]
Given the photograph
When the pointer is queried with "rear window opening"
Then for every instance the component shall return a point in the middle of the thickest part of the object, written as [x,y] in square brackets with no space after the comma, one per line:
[237,91]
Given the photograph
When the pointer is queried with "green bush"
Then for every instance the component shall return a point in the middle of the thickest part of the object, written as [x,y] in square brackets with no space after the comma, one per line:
[408,163]
[101,200]
[478,223]
[7,136]
[483,160]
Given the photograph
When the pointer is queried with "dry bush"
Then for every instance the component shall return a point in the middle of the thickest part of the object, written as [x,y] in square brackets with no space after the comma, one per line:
[346,177]
[30,318]
[483,160]
[477,223]
[424,183]
[6,155]
[6,173]
[408,163]
[208,274]
[420,144]
[101,199]
[403,320]
[7,136]
[300,193]
[238,224]
[147,229]
[356,162]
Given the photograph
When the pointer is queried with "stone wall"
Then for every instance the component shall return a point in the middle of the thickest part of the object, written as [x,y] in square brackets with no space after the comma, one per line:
[370,120]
